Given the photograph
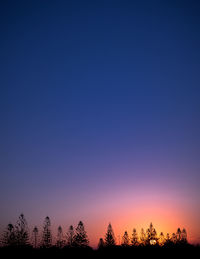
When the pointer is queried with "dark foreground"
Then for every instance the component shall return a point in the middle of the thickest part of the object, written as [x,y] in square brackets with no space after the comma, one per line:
[115,252]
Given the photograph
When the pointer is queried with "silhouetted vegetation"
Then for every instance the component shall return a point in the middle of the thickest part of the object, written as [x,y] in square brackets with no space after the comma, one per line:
[17,240]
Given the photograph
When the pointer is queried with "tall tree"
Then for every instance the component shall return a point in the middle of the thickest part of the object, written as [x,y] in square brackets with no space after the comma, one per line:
[35,237]
[101,243]
[81,238]
[142,237]
[167,239]
[161,239]
[151,235]
[110,237]
[174,238]
[60,240]
[70,236]
[9,237]
[184,236]
[178,235]
[134,239]
[22,233]
[125,239]
[46,235]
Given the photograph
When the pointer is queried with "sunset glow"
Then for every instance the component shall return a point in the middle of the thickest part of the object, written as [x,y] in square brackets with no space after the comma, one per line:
[100,116]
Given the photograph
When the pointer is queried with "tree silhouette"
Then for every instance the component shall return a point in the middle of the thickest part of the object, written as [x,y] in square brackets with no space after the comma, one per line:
[174,238]
[101,243]
[110,237]
[18,235]
[81,239]
[9,237]
[161,239]
[167,239]
[178,235]
[21,231]
[46,235]
[142,237]
[184,236]
[60,240]
[134,239]
[151,235]
[35,237]
[125,239]
[70,236]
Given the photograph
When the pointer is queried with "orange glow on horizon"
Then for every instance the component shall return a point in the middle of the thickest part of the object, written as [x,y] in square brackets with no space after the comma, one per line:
[165,218]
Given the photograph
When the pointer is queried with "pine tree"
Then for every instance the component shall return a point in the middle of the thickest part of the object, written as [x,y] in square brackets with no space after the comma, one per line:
[110,237]
[81,239]
[21,231]
[161,239]
[60,239]
[167,239]
[151,235]
[134,239]
[178,235]
[101,243]
[70,236]
[183,236]
[142,237]
[9,237]
[35,237]
[46,235]
[125,239]
[174,238]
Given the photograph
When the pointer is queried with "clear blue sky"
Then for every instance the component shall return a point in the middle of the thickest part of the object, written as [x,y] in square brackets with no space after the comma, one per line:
[97,95]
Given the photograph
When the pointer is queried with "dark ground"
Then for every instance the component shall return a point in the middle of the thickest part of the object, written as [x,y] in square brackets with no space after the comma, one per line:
[115,252]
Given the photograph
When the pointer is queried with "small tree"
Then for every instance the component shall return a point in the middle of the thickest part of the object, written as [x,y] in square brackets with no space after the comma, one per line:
[70,236]
[60,240]
[178,235]
[134,239]
[81,239]
[101,243]
[110,237]
[9,237]
[46,235]
[151,235]
[184,236]
[161,239]
[125,239]
[174,238]
[167,239]
[21,230]
[142,237]
[35,237]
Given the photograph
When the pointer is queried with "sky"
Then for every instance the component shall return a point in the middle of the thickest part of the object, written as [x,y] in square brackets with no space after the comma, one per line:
[100,114]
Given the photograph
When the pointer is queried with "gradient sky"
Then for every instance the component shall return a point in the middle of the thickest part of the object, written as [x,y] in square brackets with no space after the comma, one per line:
[100,114]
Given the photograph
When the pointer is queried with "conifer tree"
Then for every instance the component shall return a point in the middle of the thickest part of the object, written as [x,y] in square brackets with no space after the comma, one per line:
[151,235]
[101,243]
[70,236]
[174,238]
[46,235]
[81,239]
[134,239]
[21,231]
[60,240]
[9,237]
[35,237]
[125,239]
[167,239]
[183,236]
[110,237]
[178,235]
[161,239]
[142,237]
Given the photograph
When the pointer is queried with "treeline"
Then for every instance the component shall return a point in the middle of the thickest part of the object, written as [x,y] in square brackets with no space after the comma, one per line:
[19,235]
